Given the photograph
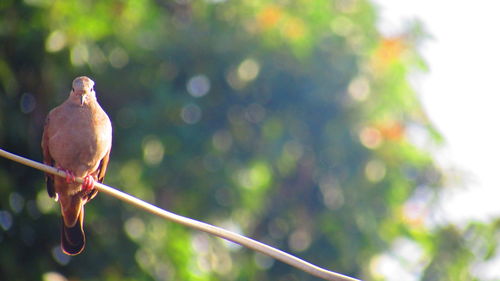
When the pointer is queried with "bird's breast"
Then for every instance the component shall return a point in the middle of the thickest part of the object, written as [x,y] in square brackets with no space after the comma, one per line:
[81,142]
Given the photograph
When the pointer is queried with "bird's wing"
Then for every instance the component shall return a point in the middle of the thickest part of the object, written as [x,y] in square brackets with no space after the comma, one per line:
[101,171]
[47,159]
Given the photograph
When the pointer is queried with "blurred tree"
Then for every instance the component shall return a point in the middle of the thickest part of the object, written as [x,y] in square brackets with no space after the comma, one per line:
[292,122]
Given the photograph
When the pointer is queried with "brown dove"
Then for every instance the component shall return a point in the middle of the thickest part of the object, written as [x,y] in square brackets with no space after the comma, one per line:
[77,140]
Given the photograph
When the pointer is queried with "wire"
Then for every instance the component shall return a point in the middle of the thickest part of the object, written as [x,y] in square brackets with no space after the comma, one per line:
[214,230]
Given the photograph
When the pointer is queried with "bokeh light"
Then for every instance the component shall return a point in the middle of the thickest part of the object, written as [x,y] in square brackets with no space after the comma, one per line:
[153,150]
[56,41]
[53,276]
[5,220]
[248,70]
[118,58]
[191,113]
[375,170]
[198,86]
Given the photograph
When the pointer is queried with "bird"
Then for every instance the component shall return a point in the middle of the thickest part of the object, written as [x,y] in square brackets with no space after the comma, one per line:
[76,139]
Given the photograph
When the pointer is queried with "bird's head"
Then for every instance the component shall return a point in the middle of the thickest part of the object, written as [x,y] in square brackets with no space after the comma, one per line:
[83,89]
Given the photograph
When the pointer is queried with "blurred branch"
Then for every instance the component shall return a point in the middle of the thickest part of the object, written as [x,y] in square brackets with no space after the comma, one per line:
[217,231]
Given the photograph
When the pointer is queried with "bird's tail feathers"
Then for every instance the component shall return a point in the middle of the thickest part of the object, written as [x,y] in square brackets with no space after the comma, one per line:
[71,207]
[73,238]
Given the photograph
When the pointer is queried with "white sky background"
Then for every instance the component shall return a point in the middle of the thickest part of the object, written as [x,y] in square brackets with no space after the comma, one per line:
[461,95]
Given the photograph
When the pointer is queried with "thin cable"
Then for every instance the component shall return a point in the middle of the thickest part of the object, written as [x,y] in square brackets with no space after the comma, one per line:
[217,231]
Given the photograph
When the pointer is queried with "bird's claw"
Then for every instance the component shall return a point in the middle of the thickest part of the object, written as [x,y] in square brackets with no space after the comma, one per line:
[88,183]
[70,176]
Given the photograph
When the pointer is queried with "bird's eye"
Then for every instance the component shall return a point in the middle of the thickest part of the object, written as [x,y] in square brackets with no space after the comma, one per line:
[93,89]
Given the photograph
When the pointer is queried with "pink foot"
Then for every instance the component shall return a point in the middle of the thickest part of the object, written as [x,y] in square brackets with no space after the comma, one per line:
[88,183]
[70,176]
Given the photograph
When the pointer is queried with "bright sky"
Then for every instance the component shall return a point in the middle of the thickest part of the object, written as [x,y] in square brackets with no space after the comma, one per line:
[461,94]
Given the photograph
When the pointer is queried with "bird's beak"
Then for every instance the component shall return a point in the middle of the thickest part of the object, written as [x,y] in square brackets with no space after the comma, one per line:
[83,97]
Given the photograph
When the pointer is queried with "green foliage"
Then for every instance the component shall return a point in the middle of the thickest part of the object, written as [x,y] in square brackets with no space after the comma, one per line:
[290,122]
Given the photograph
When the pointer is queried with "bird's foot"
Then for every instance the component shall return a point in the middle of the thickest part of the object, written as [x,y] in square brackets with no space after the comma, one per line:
[70,176]
[88,183]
